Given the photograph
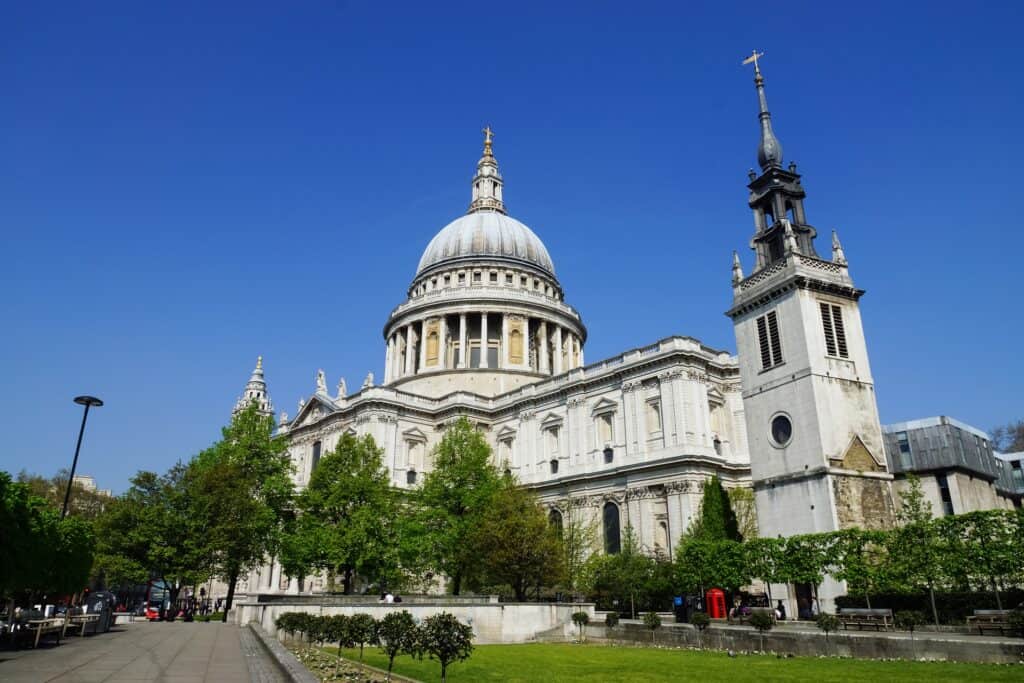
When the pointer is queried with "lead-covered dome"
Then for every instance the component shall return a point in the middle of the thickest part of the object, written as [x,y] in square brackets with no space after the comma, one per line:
[486,234]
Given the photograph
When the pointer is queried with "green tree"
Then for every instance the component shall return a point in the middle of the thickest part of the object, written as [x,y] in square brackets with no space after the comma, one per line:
[579,541]
[152,531]
[808,558]
[862,561]
[742,501]
[446,639]
[241,491]
[346,516]
[916,550]
[653,622]
[581,619]
[1008,438]
[454,497]
[702,563]
[763,622]
[626,577]
[763,558]
[83,502]
[362,629]
[991,546]
[716,520]
[397,635]
[515,542]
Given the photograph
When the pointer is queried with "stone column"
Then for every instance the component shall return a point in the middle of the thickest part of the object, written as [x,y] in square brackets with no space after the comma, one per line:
[558,350]
[408,349]
[423,345]
[503,361]
[542,353]
[483,339]
[442,343]
[275,577]
[462,340]
[387,360]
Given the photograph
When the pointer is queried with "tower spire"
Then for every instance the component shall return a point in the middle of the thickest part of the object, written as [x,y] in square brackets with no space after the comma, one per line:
[255,392]
[769,150]
[487,183]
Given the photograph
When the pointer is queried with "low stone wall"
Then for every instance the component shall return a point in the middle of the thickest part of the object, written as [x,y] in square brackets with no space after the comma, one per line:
[806,642]
[492,622]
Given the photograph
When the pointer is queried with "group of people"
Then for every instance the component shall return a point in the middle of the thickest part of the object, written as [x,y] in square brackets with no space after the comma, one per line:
[388,598]
[741,608]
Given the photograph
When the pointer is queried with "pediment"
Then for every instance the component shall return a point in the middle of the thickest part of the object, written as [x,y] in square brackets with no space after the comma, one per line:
[605,405]
[414,434]
[715,396]
[317,408]
[551,420]
[506,433]
[857,457]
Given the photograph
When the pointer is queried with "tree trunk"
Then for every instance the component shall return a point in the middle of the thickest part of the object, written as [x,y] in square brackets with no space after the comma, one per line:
[346,581]
[444,672]
[632,605]
[995,588]
[935,611]
[232,580]
[456,588]
[867,599]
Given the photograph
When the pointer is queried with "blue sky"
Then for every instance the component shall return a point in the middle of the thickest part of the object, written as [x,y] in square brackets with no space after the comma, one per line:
[186,185]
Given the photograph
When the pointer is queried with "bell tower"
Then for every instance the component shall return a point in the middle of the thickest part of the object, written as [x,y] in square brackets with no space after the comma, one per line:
[817,457]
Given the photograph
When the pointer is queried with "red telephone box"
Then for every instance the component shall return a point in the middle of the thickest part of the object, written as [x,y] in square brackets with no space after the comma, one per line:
[716,604]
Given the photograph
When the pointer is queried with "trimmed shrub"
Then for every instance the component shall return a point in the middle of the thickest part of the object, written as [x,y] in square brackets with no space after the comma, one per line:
[611,620]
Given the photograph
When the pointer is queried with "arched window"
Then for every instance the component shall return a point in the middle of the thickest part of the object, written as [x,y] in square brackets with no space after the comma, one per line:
[315,460]
[554,467]
[410,477]
[555,520]
[612,541]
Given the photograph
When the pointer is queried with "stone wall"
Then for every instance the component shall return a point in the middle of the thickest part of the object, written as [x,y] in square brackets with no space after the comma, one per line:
[492,622]
[812,643]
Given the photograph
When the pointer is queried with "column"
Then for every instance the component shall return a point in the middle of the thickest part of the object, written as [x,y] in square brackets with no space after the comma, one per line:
[389,357]
[275,577]
[581,353]
[408,349]
[462,340]
[542,352]
[483,339]
[423,345]
[442,343]
[558,350]
[503,344]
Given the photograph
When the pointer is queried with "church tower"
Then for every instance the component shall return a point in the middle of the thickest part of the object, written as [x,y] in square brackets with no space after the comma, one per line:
[255,391]
[816,455]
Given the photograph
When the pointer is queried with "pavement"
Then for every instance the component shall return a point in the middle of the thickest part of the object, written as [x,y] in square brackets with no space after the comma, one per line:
[142,651]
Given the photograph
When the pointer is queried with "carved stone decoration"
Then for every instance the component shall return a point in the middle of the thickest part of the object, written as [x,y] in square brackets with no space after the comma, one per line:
[368,382]
[631,385]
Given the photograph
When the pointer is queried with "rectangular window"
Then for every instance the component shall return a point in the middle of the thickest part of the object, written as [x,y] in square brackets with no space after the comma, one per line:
[508,278]
[769,340]
[947,499]
[604,429]
[494,277]
[315,460]
[835,332]
[904,444]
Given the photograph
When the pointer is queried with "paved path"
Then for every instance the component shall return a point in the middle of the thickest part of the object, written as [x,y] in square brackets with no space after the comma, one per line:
[169,653]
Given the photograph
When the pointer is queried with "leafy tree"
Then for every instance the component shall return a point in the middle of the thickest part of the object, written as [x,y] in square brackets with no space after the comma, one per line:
[339,629]
[346,520]
[397,635]
[742,501]
[515,542]
[909,620]
[653,622]
[701,621]
[702,563]
[611,620]
[446,639]
[763,559]
[629,576]
[716,520]
[152,531]
[579,537]
[72,556]
[581,619]
[808,558]
[1008,438]
[862,561]
[241,490]
[827,623]
[362,630]
[454,497]
[915,549]
[763,622]
[991,546]
[83,502]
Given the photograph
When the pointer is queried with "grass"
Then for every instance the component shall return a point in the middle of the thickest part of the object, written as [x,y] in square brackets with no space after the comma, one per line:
[552,663]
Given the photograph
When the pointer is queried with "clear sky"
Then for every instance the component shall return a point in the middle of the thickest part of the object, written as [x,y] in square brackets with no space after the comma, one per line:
[186,185]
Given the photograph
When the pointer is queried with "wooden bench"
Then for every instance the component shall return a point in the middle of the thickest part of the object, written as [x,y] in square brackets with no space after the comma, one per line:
[41,627]
[743,618]
[860,617]
[81,622]
[993,619]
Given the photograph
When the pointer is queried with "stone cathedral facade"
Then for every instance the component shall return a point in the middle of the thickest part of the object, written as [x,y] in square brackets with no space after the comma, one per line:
[486,332]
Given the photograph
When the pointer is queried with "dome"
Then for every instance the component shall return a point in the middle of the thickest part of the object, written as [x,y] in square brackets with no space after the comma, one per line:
[484,234]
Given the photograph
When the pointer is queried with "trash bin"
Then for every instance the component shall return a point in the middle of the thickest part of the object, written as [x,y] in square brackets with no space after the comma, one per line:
[101,603]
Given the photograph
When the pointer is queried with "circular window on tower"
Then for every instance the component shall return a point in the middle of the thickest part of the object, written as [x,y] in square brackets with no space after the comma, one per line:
[781,430]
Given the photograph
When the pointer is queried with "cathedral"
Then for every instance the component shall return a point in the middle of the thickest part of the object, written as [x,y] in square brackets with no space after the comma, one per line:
[486,331]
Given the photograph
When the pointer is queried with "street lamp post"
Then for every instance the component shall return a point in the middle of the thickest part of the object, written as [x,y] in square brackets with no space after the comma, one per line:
[88,402]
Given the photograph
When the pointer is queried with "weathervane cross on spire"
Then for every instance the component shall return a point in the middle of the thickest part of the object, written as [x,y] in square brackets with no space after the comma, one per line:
[754,56]
[488,137]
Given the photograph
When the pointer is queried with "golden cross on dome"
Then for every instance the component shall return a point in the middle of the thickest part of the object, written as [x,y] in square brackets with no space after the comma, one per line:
[488,136]
[754,56]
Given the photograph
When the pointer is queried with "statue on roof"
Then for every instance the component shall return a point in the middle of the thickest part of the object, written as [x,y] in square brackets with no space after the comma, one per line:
[368,382]
[321,382]
[342,389]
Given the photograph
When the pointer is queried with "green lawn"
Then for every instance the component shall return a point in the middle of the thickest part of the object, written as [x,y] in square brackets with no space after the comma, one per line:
[565,662]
